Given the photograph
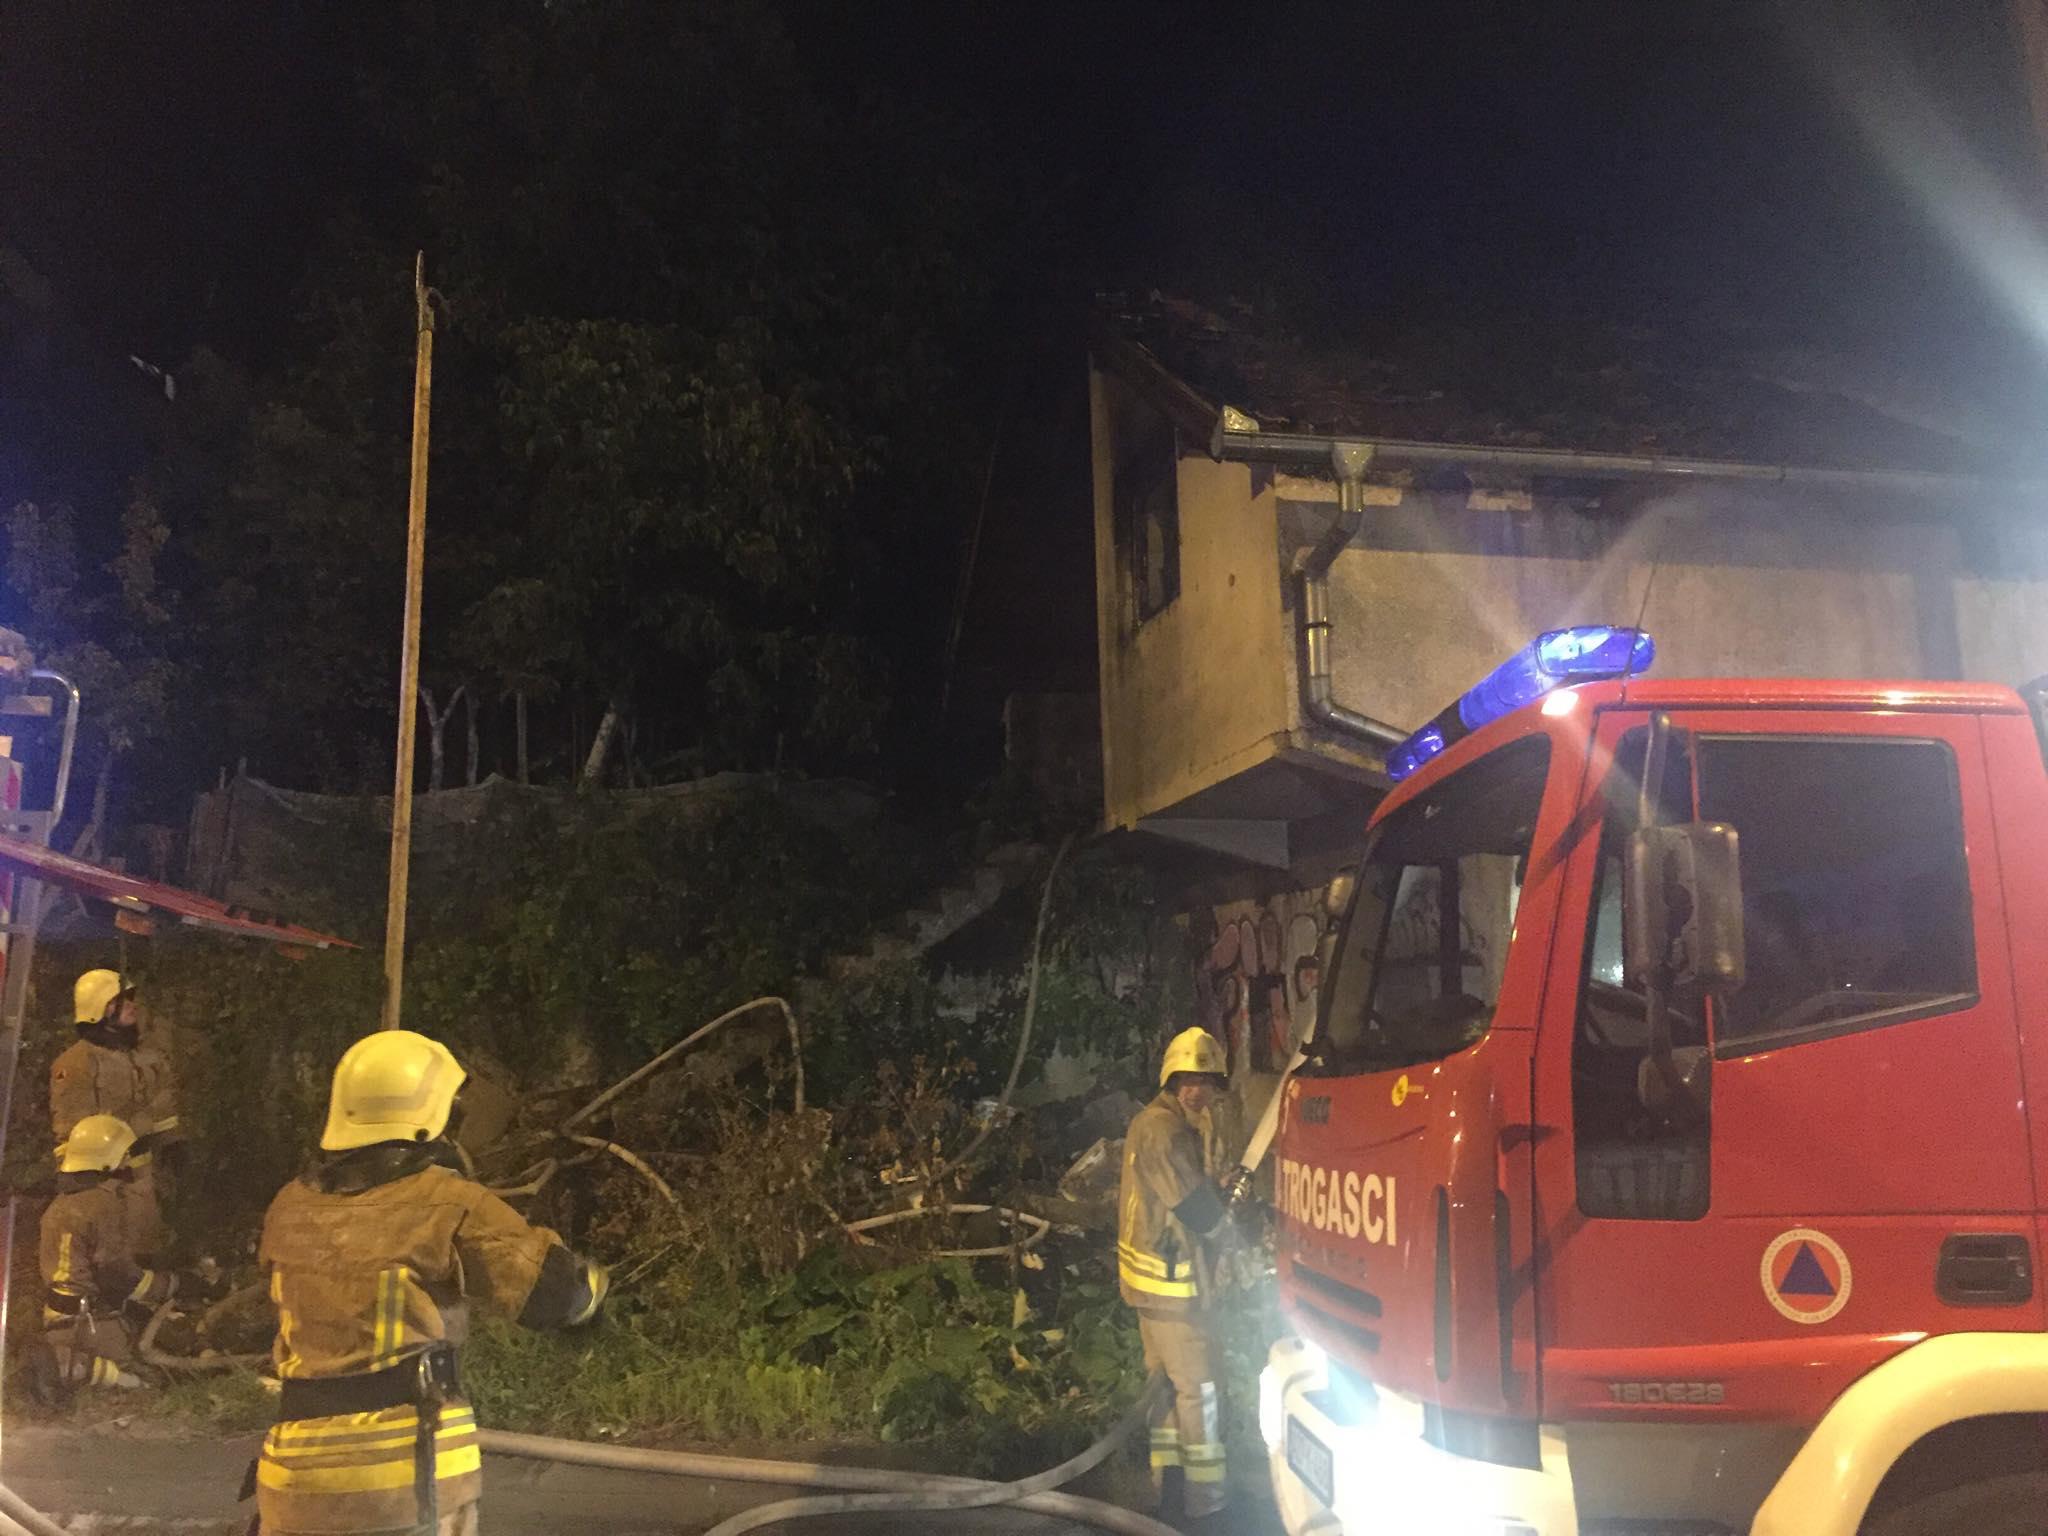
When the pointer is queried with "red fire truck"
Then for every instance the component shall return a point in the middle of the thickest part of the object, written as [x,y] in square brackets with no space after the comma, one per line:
[1668,1156]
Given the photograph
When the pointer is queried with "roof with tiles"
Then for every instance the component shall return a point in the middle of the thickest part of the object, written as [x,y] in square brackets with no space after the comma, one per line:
[1514,381]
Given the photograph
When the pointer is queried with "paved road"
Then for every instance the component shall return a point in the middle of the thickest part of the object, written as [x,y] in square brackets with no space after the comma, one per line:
[109,1480]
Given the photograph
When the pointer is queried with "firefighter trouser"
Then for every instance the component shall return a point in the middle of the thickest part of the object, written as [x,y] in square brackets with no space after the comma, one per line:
[461,1523]
[91,1353]
[1185,1428]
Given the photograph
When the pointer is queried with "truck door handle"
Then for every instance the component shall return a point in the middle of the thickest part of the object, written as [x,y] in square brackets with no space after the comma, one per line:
[1985,1269]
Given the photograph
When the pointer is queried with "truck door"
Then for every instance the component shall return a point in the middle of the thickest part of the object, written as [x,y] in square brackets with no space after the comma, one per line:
[1402,1168]
[1858,1175]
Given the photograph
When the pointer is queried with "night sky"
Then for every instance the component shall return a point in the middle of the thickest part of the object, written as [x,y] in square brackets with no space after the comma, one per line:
[168,168]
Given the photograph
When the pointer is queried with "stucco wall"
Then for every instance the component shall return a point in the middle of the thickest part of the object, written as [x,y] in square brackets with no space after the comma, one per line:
[1738,583]
[1199,691]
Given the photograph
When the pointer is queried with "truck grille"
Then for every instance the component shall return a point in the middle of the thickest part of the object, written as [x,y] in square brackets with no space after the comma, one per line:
[1362,1302]
[1365,1338]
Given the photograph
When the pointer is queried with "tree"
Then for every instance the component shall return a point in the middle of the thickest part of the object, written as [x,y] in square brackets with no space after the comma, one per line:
[437,733]
[708,408]
[689,513]
[106,625]
[286,504]
[697,397]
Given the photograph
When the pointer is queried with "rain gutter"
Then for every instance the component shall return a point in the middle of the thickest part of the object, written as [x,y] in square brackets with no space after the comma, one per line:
[1236,436]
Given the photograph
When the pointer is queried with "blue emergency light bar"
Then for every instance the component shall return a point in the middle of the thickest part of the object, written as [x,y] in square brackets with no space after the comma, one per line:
[1555,659]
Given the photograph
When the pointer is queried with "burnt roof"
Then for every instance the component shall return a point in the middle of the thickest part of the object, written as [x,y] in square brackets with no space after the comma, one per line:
[1564,382]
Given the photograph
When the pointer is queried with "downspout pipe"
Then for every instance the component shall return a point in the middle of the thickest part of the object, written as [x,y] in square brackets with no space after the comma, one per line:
[1348,460]
[1318,690]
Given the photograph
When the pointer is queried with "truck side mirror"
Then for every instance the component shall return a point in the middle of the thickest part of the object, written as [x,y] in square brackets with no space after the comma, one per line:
[1682,906]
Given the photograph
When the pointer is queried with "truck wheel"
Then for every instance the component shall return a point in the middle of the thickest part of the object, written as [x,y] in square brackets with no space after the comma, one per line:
[1998,1506]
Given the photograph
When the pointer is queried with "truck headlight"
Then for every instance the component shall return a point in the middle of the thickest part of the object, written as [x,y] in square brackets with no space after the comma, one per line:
[1292,1360]
[1269,1408]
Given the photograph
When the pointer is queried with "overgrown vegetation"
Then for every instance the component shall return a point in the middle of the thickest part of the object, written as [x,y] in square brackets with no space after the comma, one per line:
[744,1311]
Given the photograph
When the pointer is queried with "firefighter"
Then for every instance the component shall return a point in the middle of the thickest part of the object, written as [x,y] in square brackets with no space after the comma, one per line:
[373,1255]
[94,1287]
[107,1070]
[1168,1207]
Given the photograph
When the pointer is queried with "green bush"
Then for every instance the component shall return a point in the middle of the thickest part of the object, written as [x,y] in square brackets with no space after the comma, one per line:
[619,929]
[932,1352]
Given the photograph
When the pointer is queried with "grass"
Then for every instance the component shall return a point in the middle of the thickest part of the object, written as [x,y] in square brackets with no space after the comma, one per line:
[228,1402]
[922,1354]
[617,1382]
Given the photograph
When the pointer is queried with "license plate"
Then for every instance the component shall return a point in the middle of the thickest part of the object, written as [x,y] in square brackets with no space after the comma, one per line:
[1310,1459]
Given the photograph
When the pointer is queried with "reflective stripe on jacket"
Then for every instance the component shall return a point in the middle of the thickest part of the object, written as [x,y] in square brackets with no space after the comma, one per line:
[363,1279]
[1165,1203]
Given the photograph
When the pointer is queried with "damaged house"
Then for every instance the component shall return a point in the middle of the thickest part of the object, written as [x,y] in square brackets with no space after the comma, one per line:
[1305,550]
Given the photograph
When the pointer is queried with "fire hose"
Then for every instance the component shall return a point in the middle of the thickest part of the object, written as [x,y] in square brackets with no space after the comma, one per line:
[864,1489]
[149,1354]
[856,1489]
[26,1516]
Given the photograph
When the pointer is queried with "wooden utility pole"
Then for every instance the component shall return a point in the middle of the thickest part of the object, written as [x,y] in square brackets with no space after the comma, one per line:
[409,662]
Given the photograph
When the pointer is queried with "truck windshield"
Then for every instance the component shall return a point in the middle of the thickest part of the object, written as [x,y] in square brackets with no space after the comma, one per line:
[1425,944]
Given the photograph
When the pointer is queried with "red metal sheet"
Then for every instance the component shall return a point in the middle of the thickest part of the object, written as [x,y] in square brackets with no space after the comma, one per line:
[126,893]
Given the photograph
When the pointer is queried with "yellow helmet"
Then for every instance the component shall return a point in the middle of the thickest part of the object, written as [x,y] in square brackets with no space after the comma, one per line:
[1193,1050]
[391,1086]
[94,993]
[97,1144]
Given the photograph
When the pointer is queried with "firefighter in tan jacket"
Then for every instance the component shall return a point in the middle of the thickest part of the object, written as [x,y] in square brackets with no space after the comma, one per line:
[94,1286]
[107,1070]
[373,1255]
[1167,1206]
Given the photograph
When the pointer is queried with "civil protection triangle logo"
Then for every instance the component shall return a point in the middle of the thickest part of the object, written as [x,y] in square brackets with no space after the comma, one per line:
[1806,1275]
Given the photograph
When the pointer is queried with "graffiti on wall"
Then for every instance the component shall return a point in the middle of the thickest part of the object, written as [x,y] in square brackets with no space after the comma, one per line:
[1257,975]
